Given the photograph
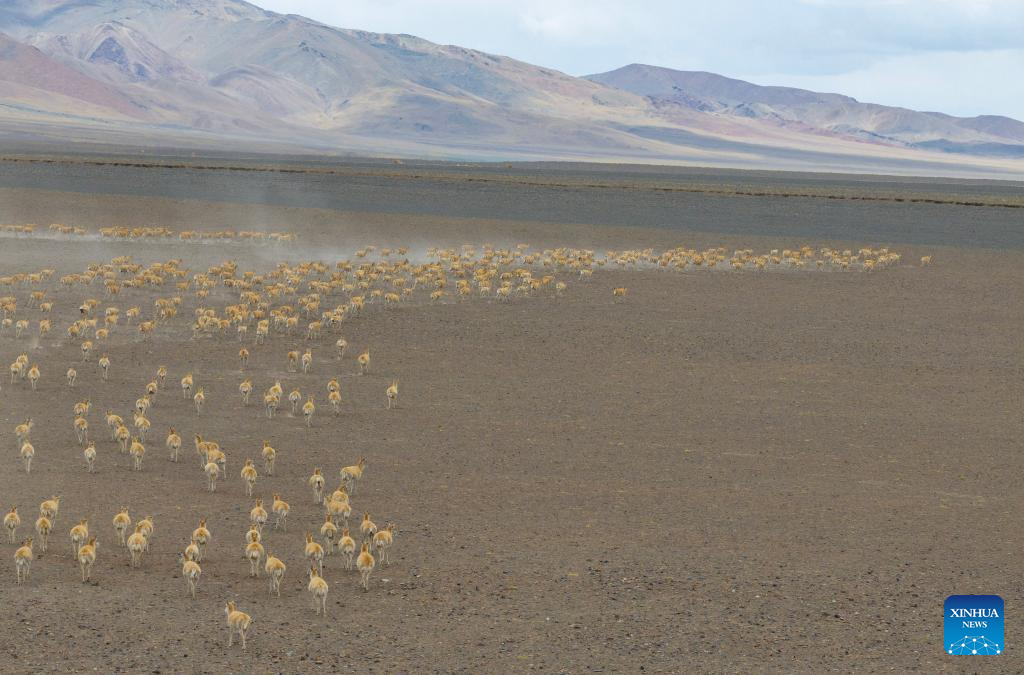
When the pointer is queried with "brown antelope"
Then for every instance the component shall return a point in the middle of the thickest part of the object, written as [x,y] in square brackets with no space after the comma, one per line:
[254,554]
[365,564]
[238,622]
[308,408]
[173,444]
[392,394]
[28,451]
[347,546]
[314,552]
[269,457]
[280,509]
[316,482]
[245,389]
[87,558]
[364,362]
[23,560]
[191,571]
[249,476]
[79,535]
[90,457]
[275,569]
[258,515]
[12,521]
[329,533]
[122,521]
[350,475]
[201,535]
[382,542]
[318,589]
[43,528]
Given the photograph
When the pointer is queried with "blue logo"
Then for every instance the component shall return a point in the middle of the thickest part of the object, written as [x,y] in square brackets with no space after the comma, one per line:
[973,624]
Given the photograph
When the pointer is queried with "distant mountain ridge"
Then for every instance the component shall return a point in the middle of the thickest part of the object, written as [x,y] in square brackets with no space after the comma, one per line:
[212,73]
[836,113]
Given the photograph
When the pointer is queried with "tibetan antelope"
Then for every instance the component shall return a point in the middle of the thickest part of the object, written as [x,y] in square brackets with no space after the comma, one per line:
[347,546]
[318,589]
[238,622]
[50,508]
[340,345]
[105,366]
[137,545]
[243,356]
[72,375]
[382,542]
[249,476]
[186,386]
[201,535]
[122,521]
[173,444]
[392,394]
[147,530]
[137,452]
[81,429]
[254,554]
[253,534]
[280,509]
[352,474]
[79,535]
[212,471]
[269,457]
[90,457]
[199,399]
[365,564]
[307,361]
[245,389]
[23,560]
[308,409]
[191,571]
[364,362]
[87,558]
[23,430]
[316,482]
[33,376]
[314,552]
[329,533]
[28,451]
[368,528]
[275,569]
[258,515]
[44,526]
[295,397]
[12,521]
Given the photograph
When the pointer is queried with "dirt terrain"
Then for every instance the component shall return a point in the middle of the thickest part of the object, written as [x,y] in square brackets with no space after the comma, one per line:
[721,472]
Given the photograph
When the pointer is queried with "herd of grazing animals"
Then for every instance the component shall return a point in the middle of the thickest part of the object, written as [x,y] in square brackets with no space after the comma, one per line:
[273,304]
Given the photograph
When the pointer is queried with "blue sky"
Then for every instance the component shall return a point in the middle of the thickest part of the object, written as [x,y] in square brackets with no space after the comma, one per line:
[964,57]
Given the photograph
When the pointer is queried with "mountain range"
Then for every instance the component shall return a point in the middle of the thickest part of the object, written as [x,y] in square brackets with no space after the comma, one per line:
[227,74]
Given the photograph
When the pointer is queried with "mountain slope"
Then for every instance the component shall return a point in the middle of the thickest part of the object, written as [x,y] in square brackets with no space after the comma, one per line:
[825,112]
[210,72]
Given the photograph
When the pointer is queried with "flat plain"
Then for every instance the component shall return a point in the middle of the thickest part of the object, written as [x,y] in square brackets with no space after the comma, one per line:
[724,471]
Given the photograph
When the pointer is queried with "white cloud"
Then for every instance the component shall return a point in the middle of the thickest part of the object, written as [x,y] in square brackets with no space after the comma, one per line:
[960,56]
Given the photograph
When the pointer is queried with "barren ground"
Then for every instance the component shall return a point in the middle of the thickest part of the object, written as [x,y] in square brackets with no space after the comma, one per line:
[728,472]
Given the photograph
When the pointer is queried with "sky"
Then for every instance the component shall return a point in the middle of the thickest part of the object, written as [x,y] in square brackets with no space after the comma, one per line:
[963,57]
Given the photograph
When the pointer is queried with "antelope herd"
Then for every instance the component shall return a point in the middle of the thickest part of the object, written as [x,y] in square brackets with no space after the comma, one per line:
[308,301]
